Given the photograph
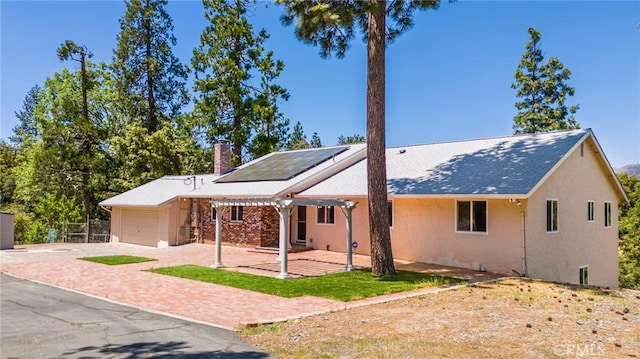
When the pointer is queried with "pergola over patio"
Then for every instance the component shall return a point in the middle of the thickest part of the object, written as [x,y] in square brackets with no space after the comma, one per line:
[284,207]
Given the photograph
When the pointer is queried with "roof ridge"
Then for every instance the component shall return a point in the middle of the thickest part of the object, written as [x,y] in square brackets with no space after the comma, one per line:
[189,175]
[318,148]
[585,130]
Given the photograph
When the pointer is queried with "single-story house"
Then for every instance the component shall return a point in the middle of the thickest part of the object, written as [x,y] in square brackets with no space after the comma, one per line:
[542,205]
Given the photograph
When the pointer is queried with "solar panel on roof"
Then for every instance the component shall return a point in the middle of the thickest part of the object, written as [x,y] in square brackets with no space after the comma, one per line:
[282,166]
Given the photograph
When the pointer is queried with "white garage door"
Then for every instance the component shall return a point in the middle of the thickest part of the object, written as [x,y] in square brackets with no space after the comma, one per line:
[140,226]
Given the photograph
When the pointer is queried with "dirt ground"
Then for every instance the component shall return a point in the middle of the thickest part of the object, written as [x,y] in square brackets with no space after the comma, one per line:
[514,318]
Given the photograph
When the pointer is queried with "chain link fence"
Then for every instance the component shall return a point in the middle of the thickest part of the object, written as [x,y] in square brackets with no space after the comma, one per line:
[76,232]
[99,232]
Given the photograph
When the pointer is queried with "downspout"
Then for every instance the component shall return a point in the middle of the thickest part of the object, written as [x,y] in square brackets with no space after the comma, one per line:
[291,239]
[524,238]
[177,232]
[291,229]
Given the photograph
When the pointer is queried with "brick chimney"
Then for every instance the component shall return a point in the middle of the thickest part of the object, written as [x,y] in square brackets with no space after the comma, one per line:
[221,158]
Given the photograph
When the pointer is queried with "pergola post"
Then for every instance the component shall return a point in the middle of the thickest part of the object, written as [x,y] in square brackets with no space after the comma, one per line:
[218,252]
[349,266]
[280,231]
[284,239]
[347,209]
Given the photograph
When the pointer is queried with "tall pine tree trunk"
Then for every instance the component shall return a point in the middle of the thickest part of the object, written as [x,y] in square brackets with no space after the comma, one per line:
[381,255]
[152,121]
[86,145]
[86,202]
[237,128]
[237,143]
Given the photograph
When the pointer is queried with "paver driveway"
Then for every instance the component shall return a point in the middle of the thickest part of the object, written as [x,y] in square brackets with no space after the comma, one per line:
[201,302]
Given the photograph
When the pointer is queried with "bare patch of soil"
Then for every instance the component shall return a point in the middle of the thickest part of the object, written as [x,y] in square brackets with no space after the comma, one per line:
[514,318]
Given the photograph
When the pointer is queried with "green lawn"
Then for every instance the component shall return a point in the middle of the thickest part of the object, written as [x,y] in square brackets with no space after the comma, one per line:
[117,259]
[344,286]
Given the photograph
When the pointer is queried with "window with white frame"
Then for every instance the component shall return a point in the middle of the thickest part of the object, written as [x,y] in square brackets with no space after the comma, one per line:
[607,214]
[591,205]
[583,272]
[471,216]
[552,215]
[326,215]
[236,213]
[390,211]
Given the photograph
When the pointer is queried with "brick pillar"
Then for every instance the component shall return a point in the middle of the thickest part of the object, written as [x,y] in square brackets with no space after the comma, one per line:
[221,158]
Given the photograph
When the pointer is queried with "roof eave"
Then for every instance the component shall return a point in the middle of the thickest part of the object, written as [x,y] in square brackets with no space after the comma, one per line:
[128,205]
[462,195]
[427,196]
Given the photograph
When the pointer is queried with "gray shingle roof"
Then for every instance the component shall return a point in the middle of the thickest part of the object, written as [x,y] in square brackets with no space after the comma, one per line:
[159,191]
[501,166]
[511,165]
[164,189]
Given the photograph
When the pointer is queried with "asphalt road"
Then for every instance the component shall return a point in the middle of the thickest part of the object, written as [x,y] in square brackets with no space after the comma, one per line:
[39,321]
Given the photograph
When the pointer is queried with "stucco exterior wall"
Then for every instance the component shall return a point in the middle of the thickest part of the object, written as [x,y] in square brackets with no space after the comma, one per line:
[172,222]
[116,213]
[164,228]
[178,215]
[332,237]
[172,216]
[424,231]
[558,256]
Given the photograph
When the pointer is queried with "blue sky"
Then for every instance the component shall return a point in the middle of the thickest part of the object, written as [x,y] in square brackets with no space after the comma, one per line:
[448,78]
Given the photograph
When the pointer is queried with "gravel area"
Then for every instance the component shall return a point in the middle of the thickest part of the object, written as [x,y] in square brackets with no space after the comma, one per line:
[513,318]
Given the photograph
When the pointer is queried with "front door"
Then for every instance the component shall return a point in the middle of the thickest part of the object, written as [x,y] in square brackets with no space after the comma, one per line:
[302,225]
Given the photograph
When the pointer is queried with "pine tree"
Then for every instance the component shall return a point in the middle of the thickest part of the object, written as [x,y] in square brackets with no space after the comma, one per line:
[68,157]
[269,136]
[298,140]
[332,25]
[142,156]
[543,91]
[70,51]
[151,84]
[315,141]
[150,79]
[235,82]
[270,127]
[26,130]
[9,159]
[351,139]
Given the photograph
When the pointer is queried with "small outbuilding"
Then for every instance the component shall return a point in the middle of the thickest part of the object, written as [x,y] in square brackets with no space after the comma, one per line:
[6,231]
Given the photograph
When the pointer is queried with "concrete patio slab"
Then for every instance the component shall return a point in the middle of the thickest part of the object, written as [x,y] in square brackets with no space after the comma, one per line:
[226,307]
